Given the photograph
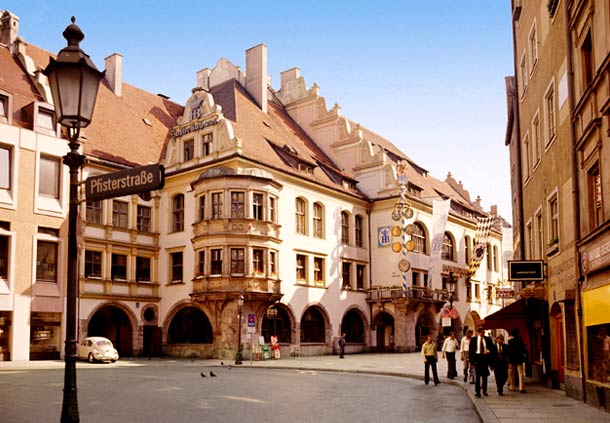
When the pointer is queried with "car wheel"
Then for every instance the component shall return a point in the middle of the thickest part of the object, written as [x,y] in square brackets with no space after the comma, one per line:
[113,361]
[90,358]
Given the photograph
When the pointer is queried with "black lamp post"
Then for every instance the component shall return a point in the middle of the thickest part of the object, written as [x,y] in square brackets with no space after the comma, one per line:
[240,309]
[74,81]
[451,284]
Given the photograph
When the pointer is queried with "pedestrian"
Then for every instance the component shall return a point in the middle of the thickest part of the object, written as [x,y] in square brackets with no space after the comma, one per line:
[450,347]
[501,364]
[480,351]
[428,350]
[468,368]
[516,360]
[342,345]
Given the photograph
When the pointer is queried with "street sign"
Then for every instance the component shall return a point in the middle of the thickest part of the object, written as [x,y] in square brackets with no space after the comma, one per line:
[526,270]
[125,182]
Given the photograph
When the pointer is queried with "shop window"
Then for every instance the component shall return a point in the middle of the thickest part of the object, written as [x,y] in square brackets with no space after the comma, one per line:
[276,323]
[313,326]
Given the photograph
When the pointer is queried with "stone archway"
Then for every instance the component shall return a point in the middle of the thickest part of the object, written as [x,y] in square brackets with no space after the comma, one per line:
[113,323]
[384,328]
[425,326]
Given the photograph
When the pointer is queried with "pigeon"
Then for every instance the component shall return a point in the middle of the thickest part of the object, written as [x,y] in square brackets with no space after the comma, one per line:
[229,367]
[202,375]
[222,363]
[212,374]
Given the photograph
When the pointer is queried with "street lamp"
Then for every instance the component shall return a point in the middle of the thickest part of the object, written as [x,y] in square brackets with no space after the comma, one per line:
[451,283]
[74,81]
[240,309]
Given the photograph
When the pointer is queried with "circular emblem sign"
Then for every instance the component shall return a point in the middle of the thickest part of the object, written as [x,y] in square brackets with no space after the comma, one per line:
[410,229]
[396,247]
[396,214]
[404,265]
[396,230]
[410,245]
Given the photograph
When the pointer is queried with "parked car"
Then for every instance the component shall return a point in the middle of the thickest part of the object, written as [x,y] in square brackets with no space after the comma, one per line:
[97,348]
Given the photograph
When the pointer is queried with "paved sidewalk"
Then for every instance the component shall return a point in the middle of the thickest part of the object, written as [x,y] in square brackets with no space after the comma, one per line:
[539,404]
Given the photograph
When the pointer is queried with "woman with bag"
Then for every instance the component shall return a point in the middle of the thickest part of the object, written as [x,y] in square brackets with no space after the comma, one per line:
[428,350]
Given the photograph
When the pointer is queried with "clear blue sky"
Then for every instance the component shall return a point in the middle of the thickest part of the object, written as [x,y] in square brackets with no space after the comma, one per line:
[427,75]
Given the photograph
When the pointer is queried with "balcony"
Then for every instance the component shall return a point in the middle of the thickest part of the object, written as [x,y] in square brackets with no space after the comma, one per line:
[236,227]
[412,294]
[206,286]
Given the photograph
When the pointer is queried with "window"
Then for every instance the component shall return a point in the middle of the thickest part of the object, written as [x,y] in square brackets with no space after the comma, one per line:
[143,217]
[527,154]
[216,261]
[586,54]
[93,212]
[318,271]
[523,74]
[358,230]
[300,216]
[202,208]
[272,263]
[217,205]
[178,213]
[49,177]
[533,45]
[237,205]
[201,263]
[46,261]
[257,206]
[119,213]
[318,220]
[5,167]
[346,275]
[419,238]
[143,269]
[554,215]
[258,263]
[4,256]
[301,273]
[536,140]
[488,255]
[189,150]
[447,251]
[46,119]
[93,264]
[176,262]
[206,145]
[119,267]
[530,240]
[344,227]
[467,249]
[237,261]
[549,103]
[595,197]
[360,276]
[272,210]
[495,257]
[4,109]
[540,236]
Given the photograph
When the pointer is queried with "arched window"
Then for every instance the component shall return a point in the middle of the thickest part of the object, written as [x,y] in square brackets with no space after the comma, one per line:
[447,252]
[276,323]
[190,326]
[313,326]
[419,238]
[178,213]
[345,227]
[489,258]
[318,220]
[467,249]
[300,214]
[352,326]
[495,257]
[358,230]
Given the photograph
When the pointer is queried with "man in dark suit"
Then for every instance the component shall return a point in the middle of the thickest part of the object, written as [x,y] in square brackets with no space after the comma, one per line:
[481,352]
[501,364]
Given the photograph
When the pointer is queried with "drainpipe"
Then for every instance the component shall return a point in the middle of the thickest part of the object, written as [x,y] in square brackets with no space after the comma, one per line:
[575,199]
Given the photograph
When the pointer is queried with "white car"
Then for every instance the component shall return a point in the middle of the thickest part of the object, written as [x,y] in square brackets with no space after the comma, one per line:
[97,348]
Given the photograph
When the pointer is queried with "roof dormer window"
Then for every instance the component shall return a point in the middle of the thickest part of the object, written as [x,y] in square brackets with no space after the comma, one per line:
[4,108]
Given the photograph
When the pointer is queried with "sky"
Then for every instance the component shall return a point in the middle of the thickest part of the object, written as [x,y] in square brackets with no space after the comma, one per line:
[427,75]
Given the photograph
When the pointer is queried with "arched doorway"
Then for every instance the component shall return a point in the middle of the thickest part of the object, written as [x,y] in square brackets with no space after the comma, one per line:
[352,326]
[313,326]
[384,328]
[425,326]
[190,326]
[113,323]
[276,322]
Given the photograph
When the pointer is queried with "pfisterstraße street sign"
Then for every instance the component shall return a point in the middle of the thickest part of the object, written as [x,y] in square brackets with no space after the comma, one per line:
[131,181]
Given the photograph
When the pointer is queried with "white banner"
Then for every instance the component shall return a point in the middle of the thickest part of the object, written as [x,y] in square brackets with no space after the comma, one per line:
[440,212]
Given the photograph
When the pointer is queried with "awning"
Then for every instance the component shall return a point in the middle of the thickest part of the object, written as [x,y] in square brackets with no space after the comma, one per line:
[509,317]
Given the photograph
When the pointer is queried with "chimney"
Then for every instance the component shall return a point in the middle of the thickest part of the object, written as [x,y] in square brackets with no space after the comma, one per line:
[494,209]
[256,74]
[114,73]
[9,29]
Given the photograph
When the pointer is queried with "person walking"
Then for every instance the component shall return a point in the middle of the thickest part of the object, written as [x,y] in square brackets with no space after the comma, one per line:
[501,364]
[468,367]
[516,359]
[428,351]
[450,347]
[481,352]
[342,346]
